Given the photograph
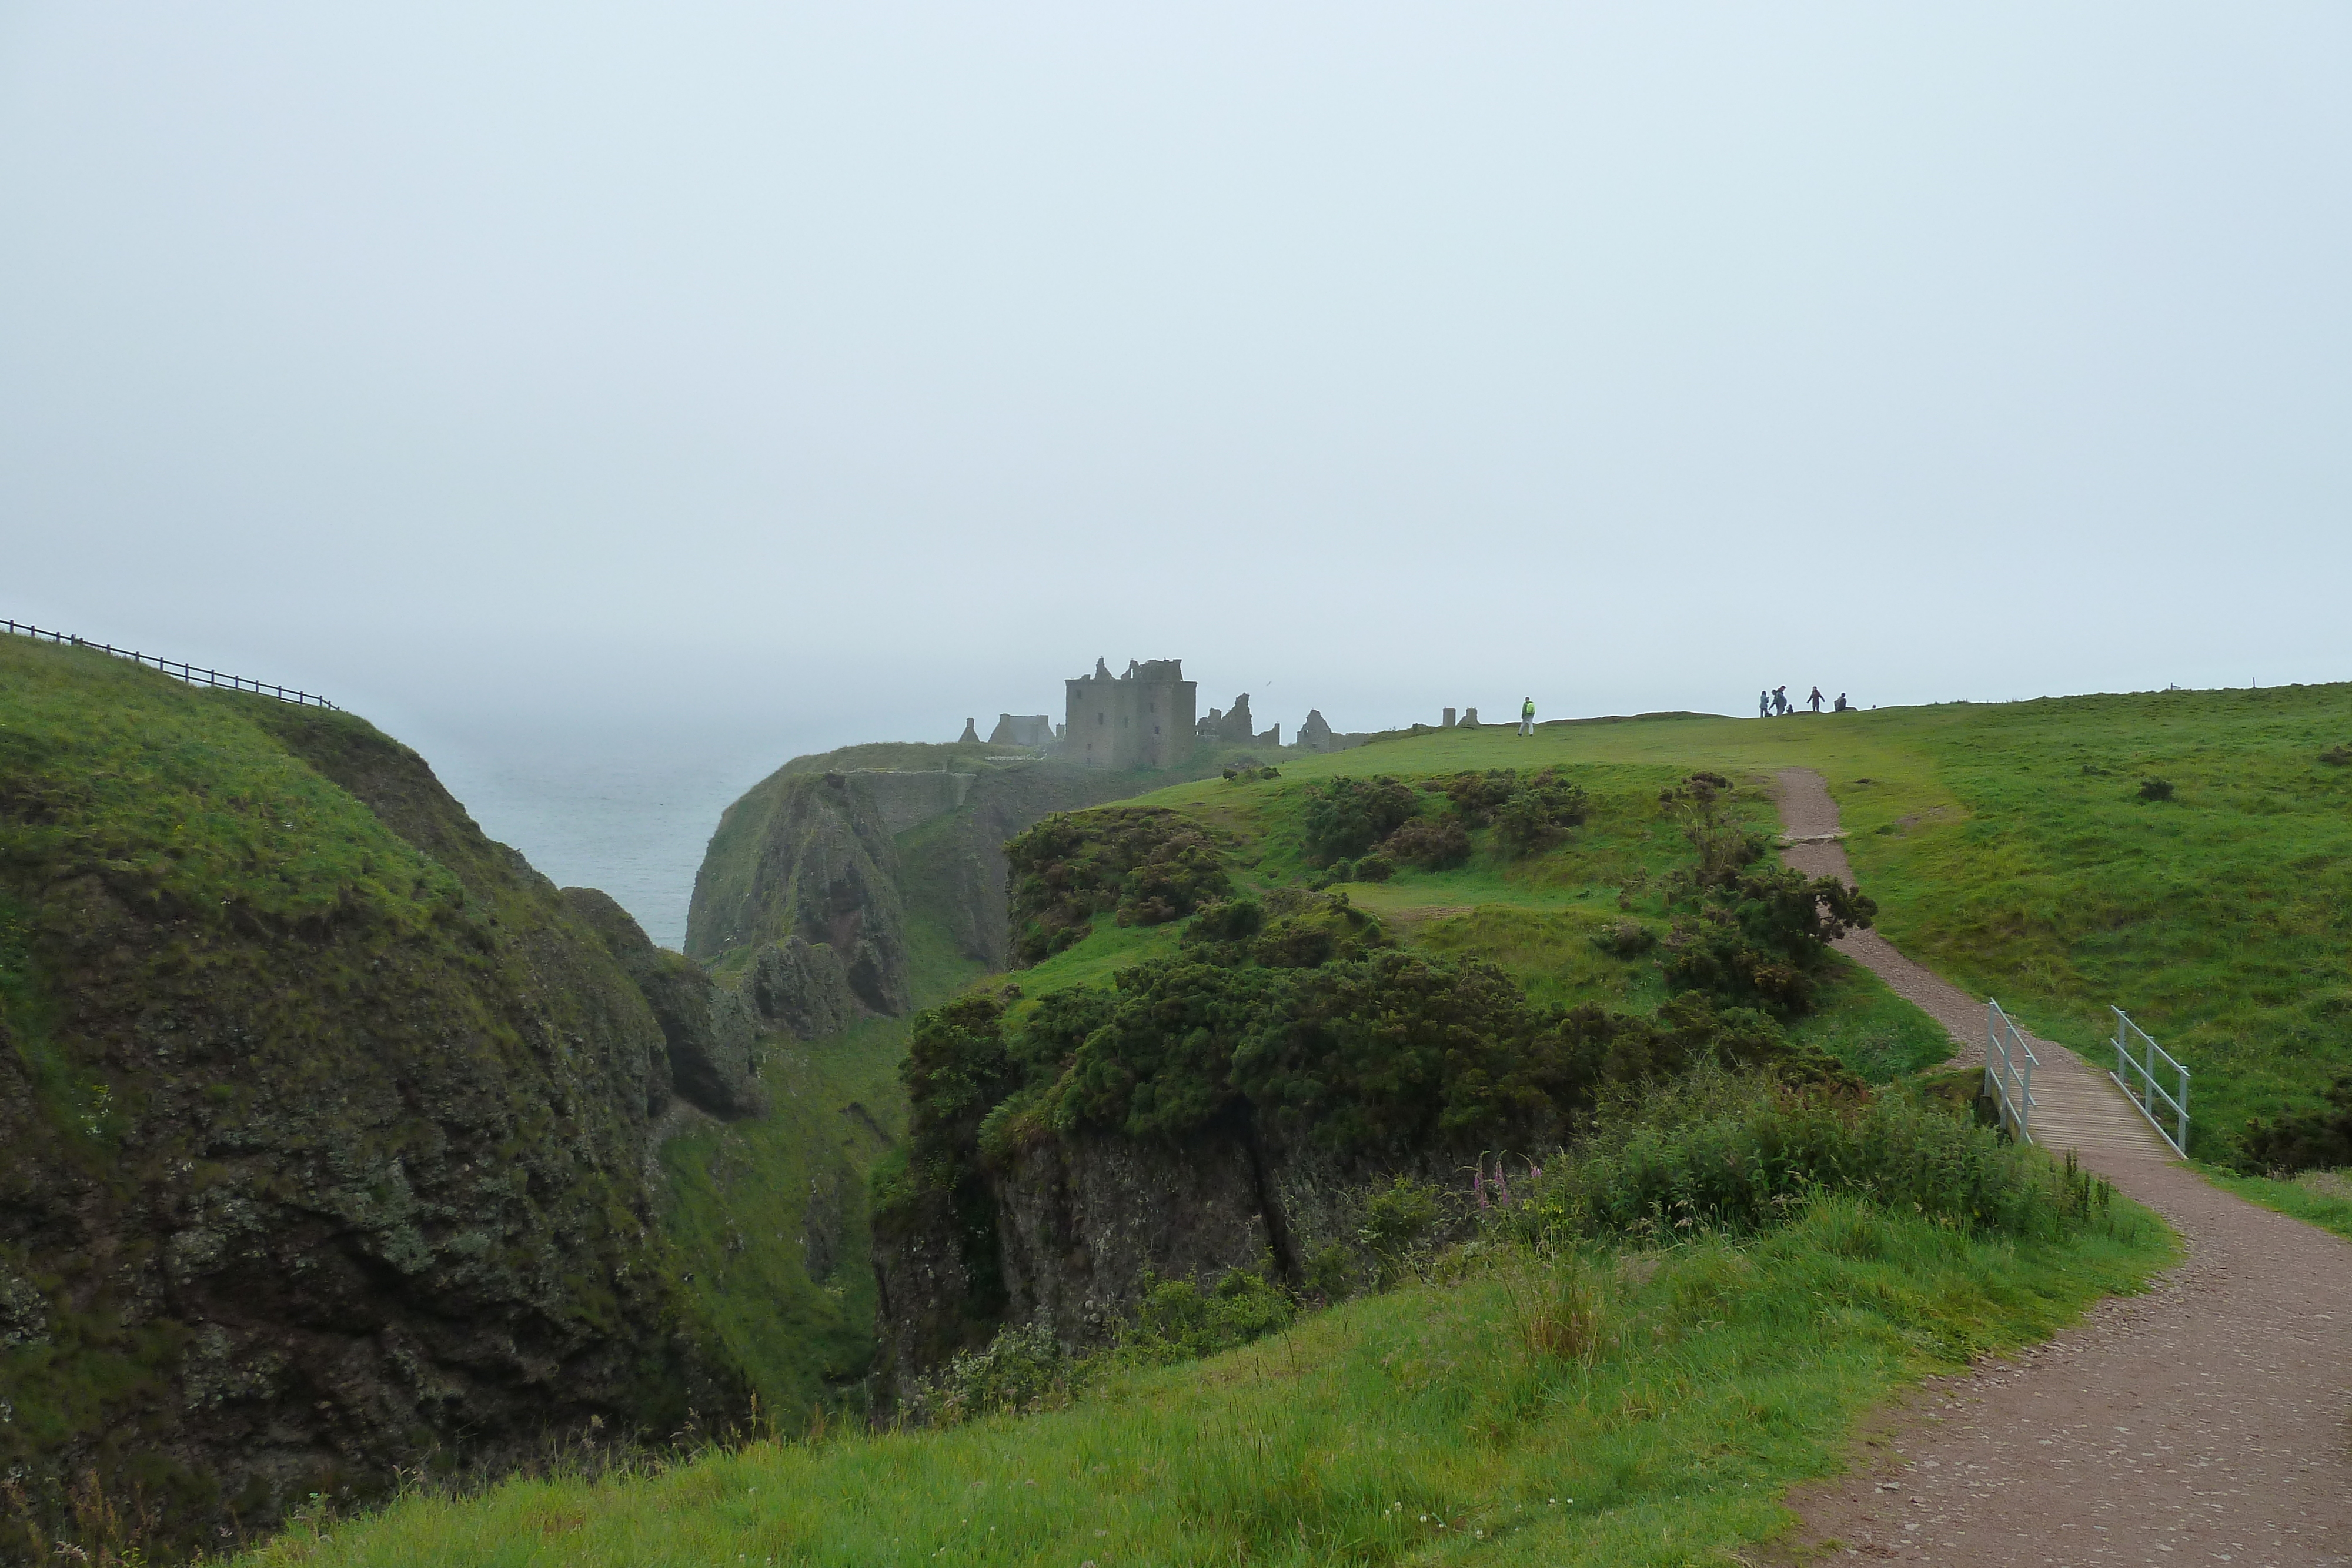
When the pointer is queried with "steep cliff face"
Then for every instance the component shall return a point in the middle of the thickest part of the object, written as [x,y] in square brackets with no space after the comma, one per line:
[709,1030]
[323,1120]
[808,855]
[846,853]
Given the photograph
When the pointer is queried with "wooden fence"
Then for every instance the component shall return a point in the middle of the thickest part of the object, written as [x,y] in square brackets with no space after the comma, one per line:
[196,676]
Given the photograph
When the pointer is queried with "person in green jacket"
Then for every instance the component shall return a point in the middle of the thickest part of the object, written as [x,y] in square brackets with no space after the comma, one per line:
[1527,716]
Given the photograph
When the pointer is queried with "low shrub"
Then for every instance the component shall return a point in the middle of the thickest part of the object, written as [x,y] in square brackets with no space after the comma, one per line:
[1624,938]
[2318,1139]
[1540,810]
[1178,1320]
[1431,844]
[2155,790]
[1345,817]
[1701,805]
[1395,1224]
[1757,937]
[1147,866]
[1227,920]
[2337,756]
[1022,1370]
[1374,867]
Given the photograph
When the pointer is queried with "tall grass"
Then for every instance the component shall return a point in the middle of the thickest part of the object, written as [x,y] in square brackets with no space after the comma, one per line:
[1595,1381]
[1735,1154]
[1647,1408]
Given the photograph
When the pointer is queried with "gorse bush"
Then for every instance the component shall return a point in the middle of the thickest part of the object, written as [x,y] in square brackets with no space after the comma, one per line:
[1702,806]
[1757,937]
[1430,845]
[1146,865]
[2317,1139]
[1345,817]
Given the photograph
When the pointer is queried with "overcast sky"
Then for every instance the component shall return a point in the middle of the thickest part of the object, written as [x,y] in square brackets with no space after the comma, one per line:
[836,373]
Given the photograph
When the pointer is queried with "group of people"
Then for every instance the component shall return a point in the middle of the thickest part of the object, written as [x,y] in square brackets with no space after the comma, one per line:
[1775,704]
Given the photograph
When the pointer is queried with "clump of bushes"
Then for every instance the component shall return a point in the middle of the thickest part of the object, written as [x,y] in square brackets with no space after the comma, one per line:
[1701,805]
[1178,1320]
[2337,756]
[1432,845]
[1757,937]
[1147,865]
[1250,775]
[1530,811]
[1345,817]
[2317,1139]
[1624,938]
[2155,790]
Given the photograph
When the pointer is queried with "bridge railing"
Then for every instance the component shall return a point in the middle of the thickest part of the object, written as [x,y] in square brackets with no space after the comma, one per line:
[2009,1072]
[194,675]
[2139,1059]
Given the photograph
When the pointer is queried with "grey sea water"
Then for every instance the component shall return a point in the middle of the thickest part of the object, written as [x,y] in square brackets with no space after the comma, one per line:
[629,815]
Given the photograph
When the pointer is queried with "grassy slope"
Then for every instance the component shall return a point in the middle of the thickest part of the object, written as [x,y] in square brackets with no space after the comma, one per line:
[1536,918]
[2222,920]
[1425,1426]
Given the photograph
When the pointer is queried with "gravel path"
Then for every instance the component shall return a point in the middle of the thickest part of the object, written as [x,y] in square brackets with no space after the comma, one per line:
[2207,1421]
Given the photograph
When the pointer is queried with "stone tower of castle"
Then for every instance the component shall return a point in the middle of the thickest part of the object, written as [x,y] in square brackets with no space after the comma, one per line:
[1143,719]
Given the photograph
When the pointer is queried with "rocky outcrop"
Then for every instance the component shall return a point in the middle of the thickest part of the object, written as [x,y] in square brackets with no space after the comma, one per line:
[843,858]
[322,1123]
[1080,1225]
[808,855]
[709,1030]
[802,990]
[1067,1232]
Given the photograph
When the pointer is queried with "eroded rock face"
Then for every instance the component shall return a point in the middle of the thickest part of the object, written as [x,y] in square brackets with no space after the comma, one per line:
[1067,1232]
[808,855]
[301,1197]
[708,1029]
[1079,1224]
[839,859]
[802,990]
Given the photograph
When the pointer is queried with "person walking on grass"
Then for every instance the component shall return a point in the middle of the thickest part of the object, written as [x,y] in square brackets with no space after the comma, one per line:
[1816,699]
[1527,716]
[1779,702]
[1763,704]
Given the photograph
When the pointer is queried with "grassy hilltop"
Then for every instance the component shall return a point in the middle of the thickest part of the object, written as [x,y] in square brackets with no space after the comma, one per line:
[2007,846]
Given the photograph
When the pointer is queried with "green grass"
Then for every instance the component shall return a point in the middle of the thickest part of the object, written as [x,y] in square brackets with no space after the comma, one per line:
[1536,917]
[2008,850]
[1870,1028]
[1660,1421]
[2317,1198]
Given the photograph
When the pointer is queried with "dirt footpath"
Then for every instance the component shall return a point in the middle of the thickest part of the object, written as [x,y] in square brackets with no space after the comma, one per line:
[2208,1421]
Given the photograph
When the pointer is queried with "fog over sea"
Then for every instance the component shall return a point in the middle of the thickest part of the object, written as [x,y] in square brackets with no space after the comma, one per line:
[627,813]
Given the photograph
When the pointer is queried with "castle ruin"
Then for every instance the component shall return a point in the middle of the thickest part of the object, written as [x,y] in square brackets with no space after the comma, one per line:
[1143,719]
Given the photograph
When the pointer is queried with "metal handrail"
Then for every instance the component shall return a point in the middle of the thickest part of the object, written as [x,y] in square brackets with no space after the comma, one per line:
[2150,1090]
[176,668]
[2009,1071]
